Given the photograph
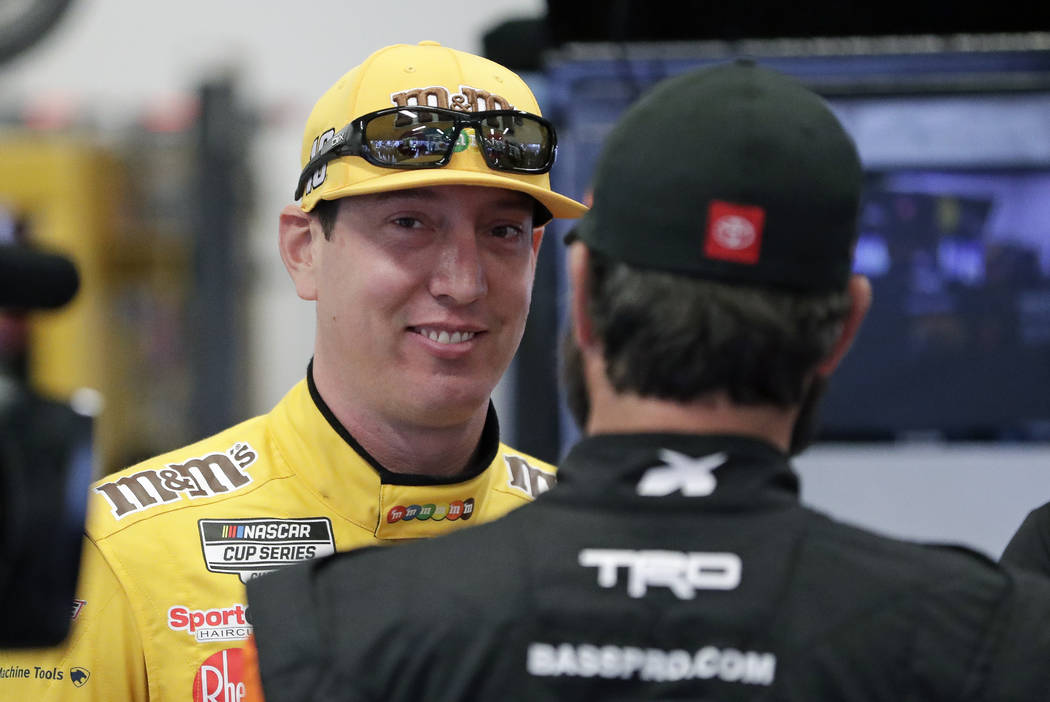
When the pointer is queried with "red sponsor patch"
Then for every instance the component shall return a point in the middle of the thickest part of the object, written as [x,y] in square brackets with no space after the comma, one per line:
[220,678]
[734,232]
[456,510]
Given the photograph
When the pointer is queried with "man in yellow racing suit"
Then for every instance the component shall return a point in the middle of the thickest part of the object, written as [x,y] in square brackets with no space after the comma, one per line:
[422,278]
[161,613]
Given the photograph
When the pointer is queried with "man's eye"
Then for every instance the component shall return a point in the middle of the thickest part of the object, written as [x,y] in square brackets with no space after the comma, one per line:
[506,231]
[406,222]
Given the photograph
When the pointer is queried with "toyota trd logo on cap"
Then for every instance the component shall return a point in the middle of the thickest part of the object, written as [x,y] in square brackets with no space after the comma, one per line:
[734,232]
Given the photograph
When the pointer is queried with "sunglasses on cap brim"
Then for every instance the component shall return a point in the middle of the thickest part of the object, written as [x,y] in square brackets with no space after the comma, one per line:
[425,137]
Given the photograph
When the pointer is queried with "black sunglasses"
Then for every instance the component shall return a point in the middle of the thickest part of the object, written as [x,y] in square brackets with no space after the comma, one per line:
[425,137]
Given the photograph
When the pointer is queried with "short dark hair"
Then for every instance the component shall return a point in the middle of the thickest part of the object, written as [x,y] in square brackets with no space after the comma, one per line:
[327,211]
[680,338]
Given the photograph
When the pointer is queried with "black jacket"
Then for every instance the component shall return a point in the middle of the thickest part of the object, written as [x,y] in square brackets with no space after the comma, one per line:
[1029,548]
[661,567]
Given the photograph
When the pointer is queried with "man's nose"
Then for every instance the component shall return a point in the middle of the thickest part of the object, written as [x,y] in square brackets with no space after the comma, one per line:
[459,272]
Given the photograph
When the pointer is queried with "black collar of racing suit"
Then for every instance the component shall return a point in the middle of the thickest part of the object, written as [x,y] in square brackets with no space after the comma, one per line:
[484,454]
[609,469]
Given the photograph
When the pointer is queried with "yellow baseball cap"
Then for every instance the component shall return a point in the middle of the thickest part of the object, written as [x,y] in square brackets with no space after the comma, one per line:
[422,74]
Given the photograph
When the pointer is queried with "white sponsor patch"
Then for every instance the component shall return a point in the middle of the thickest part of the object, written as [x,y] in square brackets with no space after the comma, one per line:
[682,573]
[651,664]
[253,547]
[681,473]
[219,624]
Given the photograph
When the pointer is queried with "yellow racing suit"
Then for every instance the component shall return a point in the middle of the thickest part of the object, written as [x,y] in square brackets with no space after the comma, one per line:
[160,609]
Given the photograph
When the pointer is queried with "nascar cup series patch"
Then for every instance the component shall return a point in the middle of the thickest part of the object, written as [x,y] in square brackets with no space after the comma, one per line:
[249,548]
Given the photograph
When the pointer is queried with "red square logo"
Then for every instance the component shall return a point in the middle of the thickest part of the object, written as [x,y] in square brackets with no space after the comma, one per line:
[734,232]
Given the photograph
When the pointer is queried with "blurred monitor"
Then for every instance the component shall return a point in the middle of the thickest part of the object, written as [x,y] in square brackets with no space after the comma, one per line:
[957,342]
[954,229]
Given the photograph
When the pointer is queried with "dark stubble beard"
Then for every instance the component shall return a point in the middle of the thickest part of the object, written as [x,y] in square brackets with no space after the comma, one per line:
[572,380]
[808,421]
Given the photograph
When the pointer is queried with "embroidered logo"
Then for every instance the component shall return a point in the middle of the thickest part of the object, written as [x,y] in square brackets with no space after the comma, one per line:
[681,473]
[220,678]
[457,509]
[528,479]
[253,547]
[734,232]
[205,476]
[587,660]
[682,573]
[220,624]
[79,676]
[468,99]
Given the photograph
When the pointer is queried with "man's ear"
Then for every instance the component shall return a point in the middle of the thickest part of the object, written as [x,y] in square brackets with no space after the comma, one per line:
[298,238]
[859,290]
[582,329]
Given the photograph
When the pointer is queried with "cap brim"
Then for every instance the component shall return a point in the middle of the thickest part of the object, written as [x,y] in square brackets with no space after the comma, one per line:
[558,205]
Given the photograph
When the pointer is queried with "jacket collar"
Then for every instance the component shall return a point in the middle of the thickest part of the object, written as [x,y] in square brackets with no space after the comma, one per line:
[687,470]
[312,444]
[483,456]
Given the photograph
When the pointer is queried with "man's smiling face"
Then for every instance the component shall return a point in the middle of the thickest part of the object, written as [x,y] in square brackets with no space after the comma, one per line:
[422,297]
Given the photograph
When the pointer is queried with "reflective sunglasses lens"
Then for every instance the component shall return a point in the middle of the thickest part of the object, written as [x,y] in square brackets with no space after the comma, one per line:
[516,142]
[409,137]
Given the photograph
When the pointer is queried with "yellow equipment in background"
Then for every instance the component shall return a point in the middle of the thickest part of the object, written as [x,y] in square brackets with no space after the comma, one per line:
[121,334]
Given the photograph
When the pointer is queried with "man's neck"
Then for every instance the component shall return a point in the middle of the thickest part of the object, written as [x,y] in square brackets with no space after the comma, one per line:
[631,414]
[413,449]
[403,446]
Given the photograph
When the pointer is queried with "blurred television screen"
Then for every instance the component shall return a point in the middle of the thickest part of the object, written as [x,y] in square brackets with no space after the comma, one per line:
[954,229]
[957,341]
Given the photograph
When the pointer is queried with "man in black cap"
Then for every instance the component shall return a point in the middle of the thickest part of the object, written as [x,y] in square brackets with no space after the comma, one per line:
[712,297]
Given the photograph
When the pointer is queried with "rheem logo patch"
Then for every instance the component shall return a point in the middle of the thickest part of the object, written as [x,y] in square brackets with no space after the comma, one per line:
[734,232]
[220,677]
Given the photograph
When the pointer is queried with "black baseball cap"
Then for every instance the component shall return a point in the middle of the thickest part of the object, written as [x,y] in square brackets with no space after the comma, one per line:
[733,172]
